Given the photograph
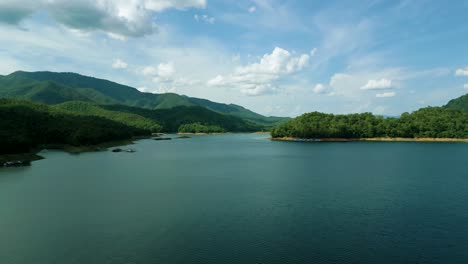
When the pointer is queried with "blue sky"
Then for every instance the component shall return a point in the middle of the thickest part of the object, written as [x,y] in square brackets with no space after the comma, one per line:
[274,57]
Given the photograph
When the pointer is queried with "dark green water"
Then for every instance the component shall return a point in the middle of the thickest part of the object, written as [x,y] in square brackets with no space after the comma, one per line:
[239,199]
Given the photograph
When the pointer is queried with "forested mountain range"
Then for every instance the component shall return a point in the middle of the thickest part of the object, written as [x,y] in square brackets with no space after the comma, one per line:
[55,88]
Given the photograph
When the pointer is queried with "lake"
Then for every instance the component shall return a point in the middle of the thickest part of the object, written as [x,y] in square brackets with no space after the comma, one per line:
[239,198]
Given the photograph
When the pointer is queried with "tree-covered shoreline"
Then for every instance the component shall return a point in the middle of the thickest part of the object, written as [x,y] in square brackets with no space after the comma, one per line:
[25,125]
[429,122]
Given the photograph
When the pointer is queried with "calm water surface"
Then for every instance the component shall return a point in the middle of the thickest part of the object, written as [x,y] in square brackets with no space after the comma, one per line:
[239,199]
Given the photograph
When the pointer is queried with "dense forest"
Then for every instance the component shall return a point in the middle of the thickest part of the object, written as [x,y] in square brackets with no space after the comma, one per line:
[161,120]
[90,109]
[200,128]
[25,125]
[434,122]
[172,119]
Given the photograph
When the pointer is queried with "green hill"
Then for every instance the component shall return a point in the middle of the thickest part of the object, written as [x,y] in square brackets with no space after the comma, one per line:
[460,103]
[55,88]
[26,125]
[172,119]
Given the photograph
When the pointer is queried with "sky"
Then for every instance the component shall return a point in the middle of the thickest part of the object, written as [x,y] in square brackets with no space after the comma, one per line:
[281,58]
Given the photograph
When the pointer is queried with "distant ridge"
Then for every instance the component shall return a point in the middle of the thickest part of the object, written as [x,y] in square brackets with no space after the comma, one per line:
[55,88]
[460,103]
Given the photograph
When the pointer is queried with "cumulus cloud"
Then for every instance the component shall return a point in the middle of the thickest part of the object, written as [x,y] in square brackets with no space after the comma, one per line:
[378,84]
[164,76]
[119,64]
[319,88]
[259,78]
[462,72]
[119,17]
[383,95]
[465,86]
[252,9]
[204,18]
[260,89]
[164,71]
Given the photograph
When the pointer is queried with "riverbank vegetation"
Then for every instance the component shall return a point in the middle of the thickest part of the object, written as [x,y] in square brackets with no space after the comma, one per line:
[200,128]
[430,122]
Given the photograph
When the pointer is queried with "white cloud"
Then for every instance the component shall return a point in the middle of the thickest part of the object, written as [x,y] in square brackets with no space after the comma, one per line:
[278,62]
[150,71]
[204,18]
[313,52]
[377,84]
[349,85]
[217,81]
[119,64]
[119,17]
[465,86]
[115,36]
[143,89]
[164,71]
[257,90]
[161,5]
[382,95]
[319,88]
[252,9]
[462,72]
[338,77]
[259,78]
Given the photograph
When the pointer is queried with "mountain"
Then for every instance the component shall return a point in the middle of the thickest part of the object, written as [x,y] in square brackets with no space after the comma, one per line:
[460,103]
[55,88]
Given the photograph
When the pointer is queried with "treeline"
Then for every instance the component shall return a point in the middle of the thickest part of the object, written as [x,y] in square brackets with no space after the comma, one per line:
[200,128]
[25,125]
[434,122]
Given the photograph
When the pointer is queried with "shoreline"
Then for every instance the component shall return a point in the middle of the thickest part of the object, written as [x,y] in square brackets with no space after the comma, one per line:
[378,139]
[25,159]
